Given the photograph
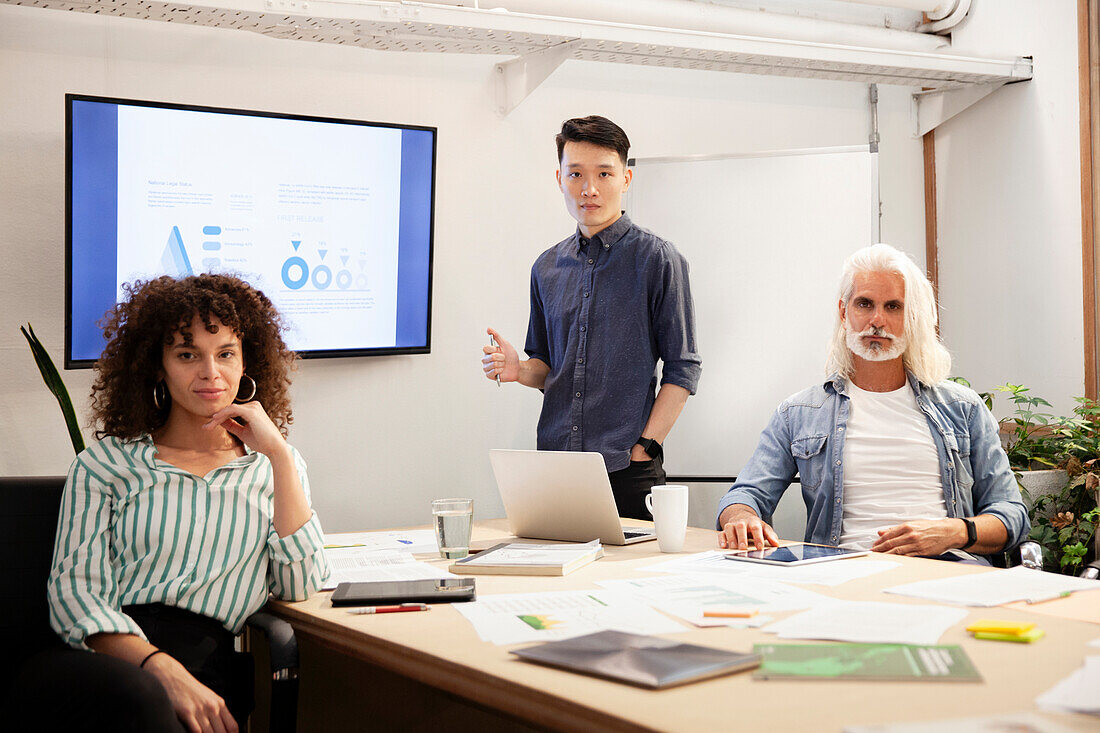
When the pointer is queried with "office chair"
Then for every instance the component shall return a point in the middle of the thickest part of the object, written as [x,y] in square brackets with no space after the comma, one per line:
[28,510]
[1028,553]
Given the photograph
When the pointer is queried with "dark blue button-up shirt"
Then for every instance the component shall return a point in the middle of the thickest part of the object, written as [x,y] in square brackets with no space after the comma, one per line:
[603,312]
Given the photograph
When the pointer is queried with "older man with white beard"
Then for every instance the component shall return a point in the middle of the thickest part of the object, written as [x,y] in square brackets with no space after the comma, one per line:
[891,457]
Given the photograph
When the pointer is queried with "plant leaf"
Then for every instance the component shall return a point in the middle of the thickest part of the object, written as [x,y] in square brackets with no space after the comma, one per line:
[54,383]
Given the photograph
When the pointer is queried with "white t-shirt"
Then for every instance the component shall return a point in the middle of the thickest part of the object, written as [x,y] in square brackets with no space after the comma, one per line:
[891,466]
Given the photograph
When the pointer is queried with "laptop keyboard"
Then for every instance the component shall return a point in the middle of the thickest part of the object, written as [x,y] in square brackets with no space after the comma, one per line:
[632,533]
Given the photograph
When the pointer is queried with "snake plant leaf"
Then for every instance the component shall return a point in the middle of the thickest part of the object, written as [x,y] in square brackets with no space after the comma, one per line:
[56,386]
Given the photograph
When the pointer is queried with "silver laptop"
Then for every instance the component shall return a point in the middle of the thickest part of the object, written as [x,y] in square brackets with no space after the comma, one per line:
[561,495]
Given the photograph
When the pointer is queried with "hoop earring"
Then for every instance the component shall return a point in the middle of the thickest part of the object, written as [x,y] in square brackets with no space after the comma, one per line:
[251,394]
[160,395]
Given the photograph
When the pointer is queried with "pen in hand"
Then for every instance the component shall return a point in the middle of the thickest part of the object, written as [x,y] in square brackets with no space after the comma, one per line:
[493,342]
[402,608]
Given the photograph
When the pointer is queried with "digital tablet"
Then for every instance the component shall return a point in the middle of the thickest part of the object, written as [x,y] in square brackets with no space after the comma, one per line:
[386,592]
[794,554]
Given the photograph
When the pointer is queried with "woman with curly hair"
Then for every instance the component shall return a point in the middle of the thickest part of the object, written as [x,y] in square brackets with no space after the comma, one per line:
[192,507]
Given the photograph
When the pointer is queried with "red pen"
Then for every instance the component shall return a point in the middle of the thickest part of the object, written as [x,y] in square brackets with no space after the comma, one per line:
[403,608]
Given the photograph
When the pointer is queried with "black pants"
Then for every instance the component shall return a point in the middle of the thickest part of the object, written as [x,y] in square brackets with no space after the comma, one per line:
[205,648]
[631,485]
[66,689]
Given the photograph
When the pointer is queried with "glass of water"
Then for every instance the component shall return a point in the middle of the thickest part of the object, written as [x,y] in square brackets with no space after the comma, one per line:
[453,519]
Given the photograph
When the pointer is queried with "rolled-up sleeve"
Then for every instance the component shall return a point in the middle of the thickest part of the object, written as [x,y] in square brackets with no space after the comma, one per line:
[769,472]
[298,566]
[537,345]
[82,590]
[995,489]
[674,324]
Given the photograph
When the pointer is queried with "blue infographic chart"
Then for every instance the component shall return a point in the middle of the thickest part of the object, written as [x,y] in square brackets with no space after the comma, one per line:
[332,220]
[318,232]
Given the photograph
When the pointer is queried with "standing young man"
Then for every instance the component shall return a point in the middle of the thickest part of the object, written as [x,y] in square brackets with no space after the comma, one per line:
[607,304]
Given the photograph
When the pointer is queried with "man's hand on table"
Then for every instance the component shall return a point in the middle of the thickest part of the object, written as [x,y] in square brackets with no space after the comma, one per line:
[927,537]
[740,526]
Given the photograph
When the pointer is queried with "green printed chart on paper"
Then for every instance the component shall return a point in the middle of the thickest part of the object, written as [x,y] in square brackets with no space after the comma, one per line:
[865,662]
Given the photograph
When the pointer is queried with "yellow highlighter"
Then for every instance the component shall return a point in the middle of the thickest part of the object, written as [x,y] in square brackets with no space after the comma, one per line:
[1025,638]
[988,626]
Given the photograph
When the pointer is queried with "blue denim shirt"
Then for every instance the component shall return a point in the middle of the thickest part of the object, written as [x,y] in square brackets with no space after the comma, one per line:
[603,312]
[806,437]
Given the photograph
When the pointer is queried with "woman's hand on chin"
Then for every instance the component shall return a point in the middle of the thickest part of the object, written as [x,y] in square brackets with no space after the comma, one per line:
[249,423]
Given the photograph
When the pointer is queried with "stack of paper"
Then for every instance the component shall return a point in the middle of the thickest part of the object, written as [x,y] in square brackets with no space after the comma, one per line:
[515,618]
[520,558]
[1076,693]
[365,565]
[870,623]
[996,587]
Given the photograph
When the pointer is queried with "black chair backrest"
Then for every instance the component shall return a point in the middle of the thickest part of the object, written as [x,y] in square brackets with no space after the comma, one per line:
[28,521]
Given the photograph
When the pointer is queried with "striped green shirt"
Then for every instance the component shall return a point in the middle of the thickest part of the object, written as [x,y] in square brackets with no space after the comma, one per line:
[136,530]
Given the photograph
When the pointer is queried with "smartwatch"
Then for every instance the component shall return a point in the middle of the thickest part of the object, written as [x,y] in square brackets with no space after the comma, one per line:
[652,448]
[971,533]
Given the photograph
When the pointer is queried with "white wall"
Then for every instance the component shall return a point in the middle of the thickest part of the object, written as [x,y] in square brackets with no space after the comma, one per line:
[385,435]
[1008,177]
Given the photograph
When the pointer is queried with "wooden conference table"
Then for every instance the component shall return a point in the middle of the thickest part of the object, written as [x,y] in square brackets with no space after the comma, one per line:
[421,671]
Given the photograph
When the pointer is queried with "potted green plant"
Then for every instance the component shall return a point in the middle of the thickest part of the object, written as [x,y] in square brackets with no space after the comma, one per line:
[1057,464]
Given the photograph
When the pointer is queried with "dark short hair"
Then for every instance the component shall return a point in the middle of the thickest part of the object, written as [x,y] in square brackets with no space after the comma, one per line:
[595,130]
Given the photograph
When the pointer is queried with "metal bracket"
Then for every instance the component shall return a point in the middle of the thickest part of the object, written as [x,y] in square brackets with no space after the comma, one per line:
[933,107]
[517,78]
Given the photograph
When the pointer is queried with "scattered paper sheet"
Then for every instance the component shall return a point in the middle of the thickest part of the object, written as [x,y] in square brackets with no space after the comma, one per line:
[1017,723]
[995,587]
[870,623]
[1076,693]
[689,596]
[410,540]
[365,565]
[825,573]
[517,618]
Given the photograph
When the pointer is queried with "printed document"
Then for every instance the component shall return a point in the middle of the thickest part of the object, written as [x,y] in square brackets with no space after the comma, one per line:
[409,540]
[690,596]
[996,587]
[517,618]
[365,565]
[826,573]
[1076,693]
[870,623]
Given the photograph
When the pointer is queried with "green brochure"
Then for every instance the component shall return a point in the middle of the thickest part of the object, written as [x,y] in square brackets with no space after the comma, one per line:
[865,662]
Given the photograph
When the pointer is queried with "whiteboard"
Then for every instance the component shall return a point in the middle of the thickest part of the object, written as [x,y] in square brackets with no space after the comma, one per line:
[765,236]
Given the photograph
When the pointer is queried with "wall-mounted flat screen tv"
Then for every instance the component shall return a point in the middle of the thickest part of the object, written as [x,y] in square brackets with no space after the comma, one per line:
[331,218]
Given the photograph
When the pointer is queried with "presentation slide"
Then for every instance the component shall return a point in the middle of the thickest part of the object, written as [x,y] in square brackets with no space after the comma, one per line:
[305,211]
[331,220]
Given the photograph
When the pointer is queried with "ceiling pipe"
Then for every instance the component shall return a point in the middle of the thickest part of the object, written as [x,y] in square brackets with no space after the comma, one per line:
[946,23]
[934,9]
[703,16]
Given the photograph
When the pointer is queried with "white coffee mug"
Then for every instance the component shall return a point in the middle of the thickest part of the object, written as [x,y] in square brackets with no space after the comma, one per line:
[669,507]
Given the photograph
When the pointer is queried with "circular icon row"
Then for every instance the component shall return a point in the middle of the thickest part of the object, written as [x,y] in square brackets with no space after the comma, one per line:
[296,273]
